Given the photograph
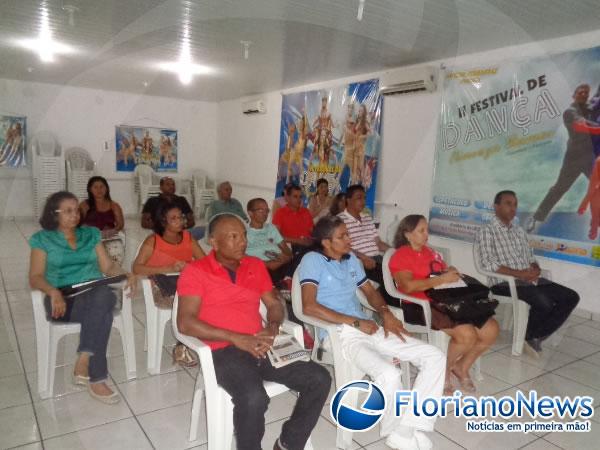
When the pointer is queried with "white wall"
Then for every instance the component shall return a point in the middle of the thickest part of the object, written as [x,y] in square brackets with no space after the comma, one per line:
[86,118]
[248,152]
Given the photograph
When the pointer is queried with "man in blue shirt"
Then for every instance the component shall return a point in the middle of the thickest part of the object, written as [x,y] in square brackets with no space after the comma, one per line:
[329,280]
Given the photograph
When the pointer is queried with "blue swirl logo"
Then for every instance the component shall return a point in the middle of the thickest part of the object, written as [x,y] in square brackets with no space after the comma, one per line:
[367,415]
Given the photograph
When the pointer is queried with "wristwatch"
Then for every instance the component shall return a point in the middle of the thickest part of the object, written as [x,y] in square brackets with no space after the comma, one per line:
[356,323]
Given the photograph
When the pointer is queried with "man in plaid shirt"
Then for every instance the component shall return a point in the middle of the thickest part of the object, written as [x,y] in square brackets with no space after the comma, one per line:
[503,248]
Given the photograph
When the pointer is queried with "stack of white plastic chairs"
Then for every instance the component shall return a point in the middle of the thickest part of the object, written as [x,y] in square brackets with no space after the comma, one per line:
[80,167]
[204,191]
[146,183]
[48,166]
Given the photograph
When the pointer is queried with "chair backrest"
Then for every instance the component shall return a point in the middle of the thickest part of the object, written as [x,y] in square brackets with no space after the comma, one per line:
[388,279]
[78,159]
[144,174]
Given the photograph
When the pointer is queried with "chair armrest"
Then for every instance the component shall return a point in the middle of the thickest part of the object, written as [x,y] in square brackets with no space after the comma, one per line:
[423,304]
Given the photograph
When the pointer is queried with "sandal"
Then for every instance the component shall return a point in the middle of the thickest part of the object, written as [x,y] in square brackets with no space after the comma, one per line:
[466,384]
[183,356]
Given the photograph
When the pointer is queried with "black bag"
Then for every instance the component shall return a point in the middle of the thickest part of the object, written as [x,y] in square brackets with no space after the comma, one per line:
[166,283]
[464,304]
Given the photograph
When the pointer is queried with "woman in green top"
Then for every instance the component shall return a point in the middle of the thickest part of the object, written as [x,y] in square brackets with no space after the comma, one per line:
[63,253]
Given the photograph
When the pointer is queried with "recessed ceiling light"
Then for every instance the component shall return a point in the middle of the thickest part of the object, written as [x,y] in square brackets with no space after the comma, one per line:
[145,83]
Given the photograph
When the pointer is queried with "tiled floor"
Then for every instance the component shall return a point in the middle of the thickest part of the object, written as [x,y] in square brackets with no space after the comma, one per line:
[156,409]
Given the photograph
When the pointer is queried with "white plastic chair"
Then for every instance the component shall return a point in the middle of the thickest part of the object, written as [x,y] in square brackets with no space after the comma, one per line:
[520,309]
[219,409]
[204,192]
[48,335]
[156,319]
[146,183]
[434,337]
[48,166]
[80,167]
[344,371]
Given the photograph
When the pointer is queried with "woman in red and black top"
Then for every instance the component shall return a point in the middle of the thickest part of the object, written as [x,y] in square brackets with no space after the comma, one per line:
[99,210]
[411,266]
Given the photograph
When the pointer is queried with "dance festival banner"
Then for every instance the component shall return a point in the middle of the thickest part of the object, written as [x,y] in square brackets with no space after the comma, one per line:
[334,134]
[156,147]
[530,126]
[12,141]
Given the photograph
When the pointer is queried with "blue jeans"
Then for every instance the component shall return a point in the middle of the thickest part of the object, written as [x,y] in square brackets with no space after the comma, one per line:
[94,311]
[242,376]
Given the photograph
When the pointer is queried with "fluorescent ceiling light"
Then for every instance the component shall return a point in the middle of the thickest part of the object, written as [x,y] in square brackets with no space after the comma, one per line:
[185,69]
[45,46]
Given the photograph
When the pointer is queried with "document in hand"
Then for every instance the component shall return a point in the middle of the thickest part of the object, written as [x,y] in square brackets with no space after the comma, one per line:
[286,350]
[455,284]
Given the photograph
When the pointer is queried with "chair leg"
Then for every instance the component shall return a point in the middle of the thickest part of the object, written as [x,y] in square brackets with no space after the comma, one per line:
[44,363]
[152,332]
[127,339]
[196,408]
[521,317]
[159,340]
[51,364]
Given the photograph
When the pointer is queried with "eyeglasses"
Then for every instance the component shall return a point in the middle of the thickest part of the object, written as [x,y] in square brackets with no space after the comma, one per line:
[68,212]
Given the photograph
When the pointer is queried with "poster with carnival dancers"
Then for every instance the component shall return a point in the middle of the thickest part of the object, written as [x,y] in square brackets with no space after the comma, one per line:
[332,134]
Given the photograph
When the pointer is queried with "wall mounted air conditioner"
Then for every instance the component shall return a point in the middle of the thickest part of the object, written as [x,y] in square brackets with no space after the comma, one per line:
[254,107]
[406,81]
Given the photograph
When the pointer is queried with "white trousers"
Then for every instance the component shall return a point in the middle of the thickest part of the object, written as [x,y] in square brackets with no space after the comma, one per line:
[374,354]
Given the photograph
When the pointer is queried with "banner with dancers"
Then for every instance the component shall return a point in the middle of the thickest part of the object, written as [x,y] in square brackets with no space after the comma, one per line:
[12,141]
[156,147]
[334,134]
[531,126]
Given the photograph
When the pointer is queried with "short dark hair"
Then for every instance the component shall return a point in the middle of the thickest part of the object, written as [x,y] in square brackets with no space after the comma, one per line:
[216,220]
[292,187]
[321,181]
[159,218]
[251,204]
[406,225]
[334,210]
[324,229]
[49,217]
[354,188]
[91,200]
[499,195]
[163,179]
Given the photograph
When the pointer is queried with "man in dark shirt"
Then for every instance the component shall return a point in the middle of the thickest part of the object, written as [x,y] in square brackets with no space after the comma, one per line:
[579,157]
[167,194]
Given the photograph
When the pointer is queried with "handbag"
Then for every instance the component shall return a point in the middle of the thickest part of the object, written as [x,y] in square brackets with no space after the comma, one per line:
[163,289]
[464,304]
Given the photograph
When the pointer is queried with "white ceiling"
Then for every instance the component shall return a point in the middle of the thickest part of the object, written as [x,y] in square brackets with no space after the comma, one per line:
[294,42]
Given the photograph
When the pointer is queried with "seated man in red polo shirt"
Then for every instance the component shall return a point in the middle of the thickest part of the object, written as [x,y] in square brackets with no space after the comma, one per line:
[219,303]
[295,223]
[293,220]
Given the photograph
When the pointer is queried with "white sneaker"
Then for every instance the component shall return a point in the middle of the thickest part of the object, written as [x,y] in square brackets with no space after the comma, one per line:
[423,441]
[401,443]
